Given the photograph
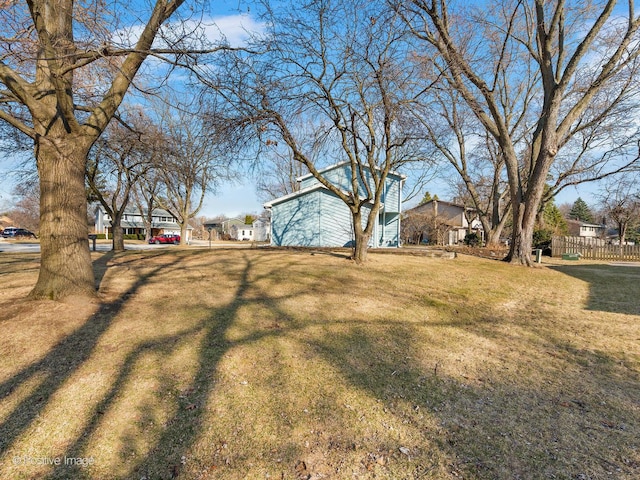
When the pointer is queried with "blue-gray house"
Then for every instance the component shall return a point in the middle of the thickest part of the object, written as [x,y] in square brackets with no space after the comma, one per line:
[315,217]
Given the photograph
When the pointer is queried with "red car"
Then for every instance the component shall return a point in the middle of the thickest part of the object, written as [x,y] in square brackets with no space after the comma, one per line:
[165,238]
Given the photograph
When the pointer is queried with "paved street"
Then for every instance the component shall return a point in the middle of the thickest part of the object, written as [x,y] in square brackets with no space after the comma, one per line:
[28,247]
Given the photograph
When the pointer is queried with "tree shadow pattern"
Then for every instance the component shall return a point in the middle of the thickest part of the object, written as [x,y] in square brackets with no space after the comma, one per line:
[476,425]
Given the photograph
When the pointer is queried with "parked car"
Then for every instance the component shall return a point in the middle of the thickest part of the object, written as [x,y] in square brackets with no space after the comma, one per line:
[165,238]
[13,232]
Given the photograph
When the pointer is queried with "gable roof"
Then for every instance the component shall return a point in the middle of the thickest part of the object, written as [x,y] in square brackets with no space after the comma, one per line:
[347,162]
[289,196]
[304,191]
[424,205]
[584,224]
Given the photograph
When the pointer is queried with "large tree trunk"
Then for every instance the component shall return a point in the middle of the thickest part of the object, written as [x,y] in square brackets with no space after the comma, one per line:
[118,234]
[183,233]
[493,236]
[360,247]
[524,218]
[361,238]
[521,243]
[66,266]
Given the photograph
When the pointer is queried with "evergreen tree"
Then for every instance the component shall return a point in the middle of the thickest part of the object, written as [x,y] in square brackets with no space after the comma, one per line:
[553,219]
[427,198]
[580,211]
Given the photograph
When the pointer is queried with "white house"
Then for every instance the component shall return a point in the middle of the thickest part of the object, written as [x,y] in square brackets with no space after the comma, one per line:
[583,229]
[132,223]
[242,232]
[262,230]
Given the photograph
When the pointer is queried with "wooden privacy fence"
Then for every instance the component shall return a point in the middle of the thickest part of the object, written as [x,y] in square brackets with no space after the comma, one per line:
[593,249]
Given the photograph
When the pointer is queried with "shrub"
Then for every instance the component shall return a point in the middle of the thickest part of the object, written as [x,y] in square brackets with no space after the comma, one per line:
[542,238]
[472,239]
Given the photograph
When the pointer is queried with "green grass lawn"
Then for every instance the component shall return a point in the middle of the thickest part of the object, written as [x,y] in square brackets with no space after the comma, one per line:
[258,363]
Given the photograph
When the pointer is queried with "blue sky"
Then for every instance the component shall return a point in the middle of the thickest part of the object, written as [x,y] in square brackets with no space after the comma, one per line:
[232,200]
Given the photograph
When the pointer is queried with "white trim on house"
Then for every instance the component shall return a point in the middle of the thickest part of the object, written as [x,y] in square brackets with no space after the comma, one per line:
[346,162]
[293,195]
[304,191]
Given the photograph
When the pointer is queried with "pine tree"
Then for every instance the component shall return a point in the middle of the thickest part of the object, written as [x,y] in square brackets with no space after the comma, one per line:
[580,211]
[426,199]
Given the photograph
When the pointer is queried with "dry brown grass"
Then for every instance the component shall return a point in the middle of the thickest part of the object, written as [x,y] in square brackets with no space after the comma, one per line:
[237,364]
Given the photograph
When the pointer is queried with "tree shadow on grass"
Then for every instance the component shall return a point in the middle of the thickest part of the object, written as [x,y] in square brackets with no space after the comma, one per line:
[612,288]
[15,263]
[485,426]
[490,427]
[65,358]
[179,433]
[101,266]
[164,458]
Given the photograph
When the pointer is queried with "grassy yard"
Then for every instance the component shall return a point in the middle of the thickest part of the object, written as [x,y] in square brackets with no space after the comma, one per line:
[234,364]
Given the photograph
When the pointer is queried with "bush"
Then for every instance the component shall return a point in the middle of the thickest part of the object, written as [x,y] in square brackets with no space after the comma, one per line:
[472,240]
[542,238]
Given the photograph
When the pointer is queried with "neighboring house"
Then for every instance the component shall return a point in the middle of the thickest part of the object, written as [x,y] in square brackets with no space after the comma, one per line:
[315,217]
[132,223]
[242,232]
[583,229]
[220,228]
[262,230]
[227,225]
[259,231]
[448,221]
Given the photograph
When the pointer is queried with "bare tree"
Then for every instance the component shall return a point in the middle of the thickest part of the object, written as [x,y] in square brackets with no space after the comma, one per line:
[621,205]
[193,161]
[145,194]
[553,82]
[277,173]
[425,227]
[460,140]
[25,210]
[339,66]
[117,162]
[49,53]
